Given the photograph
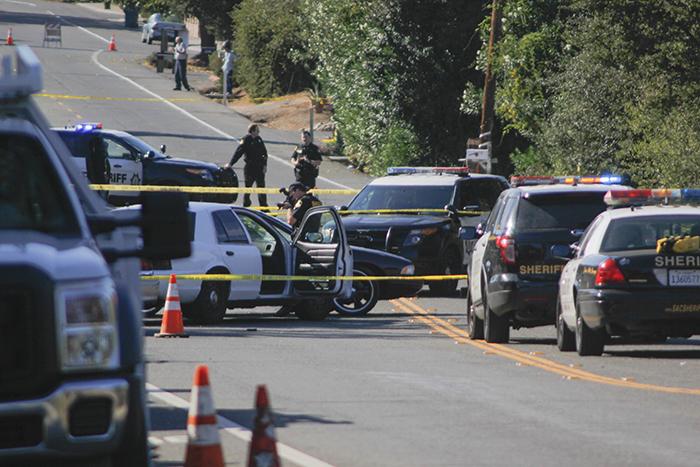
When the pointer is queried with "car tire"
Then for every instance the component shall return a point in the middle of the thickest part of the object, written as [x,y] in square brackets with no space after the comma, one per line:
[365,295]
[453,265]
[210,305]
[475,326]
[496,328]
[566,338]
[313,310]
[588,341]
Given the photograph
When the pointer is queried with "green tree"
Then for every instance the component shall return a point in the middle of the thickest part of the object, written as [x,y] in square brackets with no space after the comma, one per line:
[269,43]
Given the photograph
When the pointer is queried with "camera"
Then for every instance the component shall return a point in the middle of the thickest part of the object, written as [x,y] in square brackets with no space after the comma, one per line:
[287,203]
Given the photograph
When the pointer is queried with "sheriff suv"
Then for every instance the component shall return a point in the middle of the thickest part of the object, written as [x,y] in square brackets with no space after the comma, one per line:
[72,372]
[515,267]
[417,212]
[133,162]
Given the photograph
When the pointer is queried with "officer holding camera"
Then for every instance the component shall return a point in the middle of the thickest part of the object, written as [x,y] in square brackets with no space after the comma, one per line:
[306,159]
[298,202]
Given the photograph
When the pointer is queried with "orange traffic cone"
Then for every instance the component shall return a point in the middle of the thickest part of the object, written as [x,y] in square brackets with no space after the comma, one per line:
[263,446]
[112,46]
[172,326]
[203,443]
[9,40]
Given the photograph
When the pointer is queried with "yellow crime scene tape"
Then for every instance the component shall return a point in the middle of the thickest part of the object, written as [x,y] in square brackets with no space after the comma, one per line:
[213,189]
[270,209]
[273,277]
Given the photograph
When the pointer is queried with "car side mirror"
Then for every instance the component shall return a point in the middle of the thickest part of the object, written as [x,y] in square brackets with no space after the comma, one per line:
[150,154]
[467,233]
[160,212]
[162,148]
[562,251]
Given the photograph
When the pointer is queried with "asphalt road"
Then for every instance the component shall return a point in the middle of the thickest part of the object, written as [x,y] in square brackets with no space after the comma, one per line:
[402,386]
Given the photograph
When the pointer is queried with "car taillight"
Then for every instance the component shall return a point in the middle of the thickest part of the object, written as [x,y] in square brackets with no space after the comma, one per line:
[608,274]
[506,245]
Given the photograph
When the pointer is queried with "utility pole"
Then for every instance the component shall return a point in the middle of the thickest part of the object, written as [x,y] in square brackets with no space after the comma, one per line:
[487,103]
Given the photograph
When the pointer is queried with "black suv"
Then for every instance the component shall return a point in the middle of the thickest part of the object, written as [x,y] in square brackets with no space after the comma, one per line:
[425,219]
[515,268]
[133,162]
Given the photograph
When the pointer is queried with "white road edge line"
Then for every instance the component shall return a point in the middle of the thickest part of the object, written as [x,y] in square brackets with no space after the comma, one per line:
[22,3]
[180,109]
[233,428]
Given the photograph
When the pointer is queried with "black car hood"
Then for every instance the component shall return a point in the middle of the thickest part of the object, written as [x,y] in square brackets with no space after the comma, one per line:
[185,163]
[377,222]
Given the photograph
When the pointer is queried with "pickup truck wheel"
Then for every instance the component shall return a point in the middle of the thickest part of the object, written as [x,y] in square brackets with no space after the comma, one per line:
[496,328]
[313,310]
[365,295]
[475,326]
[210,305]
[566,339]
[452,266]
[588,341]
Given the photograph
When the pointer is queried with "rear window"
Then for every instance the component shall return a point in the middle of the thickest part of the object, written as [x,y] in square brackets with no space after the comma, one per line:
[77,143]
[641,233]
[560,211]
[31,195]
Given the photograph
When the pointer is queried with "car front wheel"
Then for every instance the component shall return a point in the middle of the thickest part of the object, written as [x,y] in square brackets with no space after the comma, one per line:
[365,295]
[566,340]
[475,326]
[452,266]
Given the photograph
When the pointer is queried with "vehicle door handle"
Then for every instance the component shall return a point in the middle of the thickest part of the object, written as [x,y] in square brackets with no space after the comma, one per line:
[230,253]
[117,166]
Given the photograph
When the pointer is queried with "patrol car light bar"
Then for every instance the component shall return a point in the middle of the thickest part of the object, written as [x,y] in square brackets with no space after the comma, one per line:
[87,127]
[522,180]
[639,197]
[427,170]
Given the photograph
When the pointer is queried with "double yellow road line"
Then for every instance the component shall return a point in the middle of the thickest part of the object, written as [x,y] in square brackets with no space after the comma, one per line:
[460,336]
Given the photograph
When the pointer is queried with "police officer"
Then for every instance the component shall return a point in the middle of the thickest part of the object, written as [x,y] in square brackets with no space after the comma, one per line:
[255,159]
[306,159]
[301,201]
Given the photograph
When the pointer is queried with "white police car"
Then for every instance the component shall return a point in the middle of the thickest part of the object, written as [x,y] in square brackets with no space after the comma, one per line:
[635,272]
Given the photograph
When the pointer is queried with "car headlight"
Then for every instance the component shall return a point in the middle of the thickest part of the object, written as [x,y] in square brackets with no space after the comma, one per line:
[414,237]
[204,173]
[88,338]
[408,270]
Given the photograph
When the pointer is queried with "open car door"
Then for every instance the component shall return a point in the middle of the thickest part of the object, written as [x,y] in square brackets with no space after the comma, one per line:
[321,249]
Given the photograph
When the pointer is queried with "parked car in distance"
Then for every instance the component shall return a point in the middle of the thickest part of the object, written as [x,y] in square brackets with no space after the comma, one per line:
[222,243]
[154,26]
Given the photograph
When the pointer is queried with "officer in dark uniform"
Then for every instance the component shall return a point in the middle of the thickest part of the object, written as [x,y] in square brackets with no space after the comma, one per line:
[300,201]
[253,148]
[306,159]
[97,164]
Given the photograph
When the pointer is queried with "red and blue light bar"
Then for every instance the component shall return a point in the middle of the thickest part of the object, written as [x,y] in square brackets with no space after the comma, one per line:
[87,127]
[647,196]
[427,170]
[608,179]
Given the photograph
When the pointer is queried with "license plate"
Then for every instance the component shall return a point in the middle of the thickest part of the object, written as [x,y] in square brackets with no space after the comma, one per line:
[684,278]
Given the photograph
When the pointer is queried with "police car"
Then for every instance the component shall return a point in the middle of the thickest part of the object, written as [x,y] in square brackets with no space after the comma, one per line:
[425,223]
[514,268]
[635,272]
[133,162]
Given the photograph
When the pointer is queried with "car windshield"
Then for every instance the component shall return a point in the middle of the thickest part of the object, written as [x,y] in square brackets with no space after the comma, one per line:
[560,211]
[140,145]
[31,194]
[641,233]
[402,197]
